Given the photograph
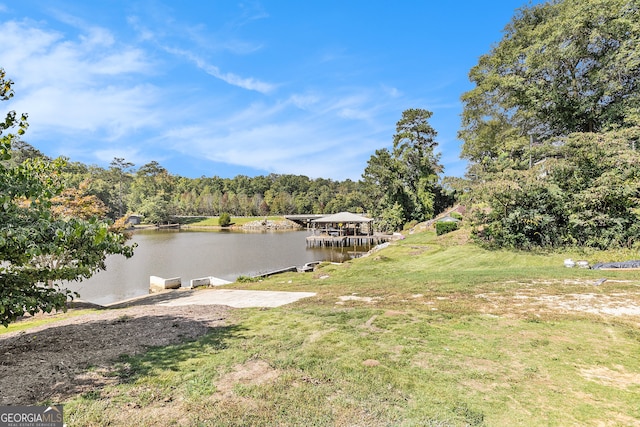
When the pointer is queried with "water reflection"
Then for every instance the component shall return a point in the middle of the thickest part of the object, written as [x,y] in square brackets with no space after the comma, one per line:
[194,254]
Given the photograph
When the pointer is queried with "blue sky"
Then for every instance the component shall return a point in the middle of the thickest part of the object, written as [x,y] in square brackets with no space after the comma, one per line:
[223,87]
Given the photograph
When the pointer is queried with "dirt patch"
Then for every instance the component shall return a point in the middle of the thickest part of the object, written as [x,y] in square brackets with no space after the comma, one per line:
[345,298]
[253,372]
[614,304]
[74,355]
[618,377]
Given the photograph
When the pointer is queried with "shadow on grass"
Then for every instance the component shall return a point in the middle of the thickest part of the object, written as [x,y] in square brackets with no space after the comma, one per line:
[131,368]
[85,353]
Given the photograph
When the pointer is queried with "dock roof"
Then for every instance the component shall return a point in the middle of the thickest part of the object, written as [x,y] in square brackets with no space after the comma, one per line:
[344,217]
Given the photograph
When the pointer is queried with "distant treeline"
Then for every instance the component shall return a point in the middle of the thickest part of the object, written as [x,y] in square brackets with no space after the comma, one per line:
[153,192]
[156,194]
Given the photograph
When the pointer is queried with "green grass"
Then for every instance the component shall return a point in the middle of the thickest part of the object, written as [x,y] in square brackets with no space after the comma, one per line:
[444,335]
[236,220]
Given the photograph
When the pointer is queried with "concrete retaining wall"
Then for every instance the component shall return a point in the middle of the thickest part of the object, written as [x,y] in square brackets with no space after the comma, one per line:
[157,284]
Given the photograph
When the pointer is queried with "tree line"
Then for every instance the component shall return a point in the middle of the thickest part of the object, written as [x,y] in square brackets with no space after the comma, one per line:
[398,186]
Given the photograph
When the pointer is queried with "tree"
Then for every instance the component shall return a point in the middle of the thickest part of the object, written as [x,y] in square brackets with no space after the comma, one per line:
[407,176]
[586,195]
[152,192]
[39,248]
[562,67]
[119,169]
[224,220]
[551,127]
[77,203]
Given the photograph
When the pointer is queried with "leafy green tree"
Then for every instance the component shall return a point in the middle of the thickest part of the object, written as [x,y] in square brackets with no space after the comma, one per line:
[224,220]
[562,67]
[550,128]
[407,175]
[39,248]
[391,219]
[585,195]
[152,193]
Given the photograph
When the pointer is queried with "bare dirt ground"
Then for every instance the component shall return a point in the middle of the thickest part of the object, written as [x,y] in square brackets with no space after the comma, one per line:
[51,362]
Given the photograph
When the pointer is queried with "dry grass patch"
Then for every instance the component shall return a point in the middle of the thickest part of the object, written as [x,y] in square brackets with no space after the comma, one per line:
[252,372]
[535,301]
[618,377]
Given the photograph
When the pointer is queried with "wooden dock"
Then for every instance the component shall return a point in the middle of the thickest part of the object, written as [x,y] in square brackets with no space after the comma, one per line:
[346,241]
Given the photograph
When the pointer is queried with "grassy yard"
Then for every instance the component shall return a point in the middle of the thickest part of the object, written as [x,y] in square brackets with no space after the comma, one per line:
[427,332]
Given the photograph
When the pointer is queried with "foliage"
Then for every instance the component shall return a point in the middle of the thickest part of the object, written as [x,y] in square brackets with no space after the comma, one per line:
[561,67]
[444,227]
[247,279]
[392,219]
[224,220]
[154,192]
[151,192]
[551,128]
[41,243]
[402,183]
[75,202]
[456,215]
[587,195]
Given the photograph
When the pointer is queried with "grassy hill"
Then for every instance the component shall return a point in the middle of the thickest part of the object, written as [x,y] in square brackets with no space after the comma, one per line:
[430,331]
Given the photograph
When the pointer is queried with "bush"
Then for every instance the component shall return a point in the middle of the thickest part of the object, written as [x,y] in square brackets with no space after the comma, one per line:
[456,215]
[224,220]
[247,279]
[445,227]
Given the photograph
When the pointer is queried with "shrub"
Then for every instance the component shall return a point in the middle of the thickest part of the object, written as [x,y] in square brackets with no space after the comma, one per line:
[247,279]
[224,220]
[445,227]
[456,215]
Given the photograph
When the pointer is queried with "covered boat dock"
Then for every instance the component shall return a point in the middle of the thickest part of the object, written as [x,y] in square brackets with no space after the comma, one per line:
[344,229]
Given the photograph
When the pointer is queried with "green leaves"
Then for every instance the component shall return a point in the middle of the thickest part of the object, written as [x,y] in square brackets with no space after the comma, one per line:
[587,196]
[403,182]
[38,249]
[561,67]
[554,113]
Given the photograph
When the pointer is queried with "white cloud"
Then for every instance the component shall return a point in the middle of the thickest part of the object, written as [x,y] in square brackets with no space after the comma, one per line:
[78,90]
[329,137]
[91,95]
[248,83]
[112,112]
[40,57]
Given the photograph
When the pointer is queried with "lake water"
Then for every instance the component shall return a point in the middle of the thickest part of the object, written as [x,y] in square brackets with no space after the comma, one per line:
[194,254]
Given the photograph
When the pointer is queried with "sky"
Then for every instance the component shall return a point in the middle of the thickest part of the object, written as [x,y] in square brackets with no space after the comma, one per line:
[226,88]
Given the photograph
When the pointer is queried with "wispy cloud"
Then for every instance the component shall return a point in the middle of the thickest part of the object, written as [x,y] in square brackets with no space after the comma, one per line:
[248,83]
[93,94]
[76,88]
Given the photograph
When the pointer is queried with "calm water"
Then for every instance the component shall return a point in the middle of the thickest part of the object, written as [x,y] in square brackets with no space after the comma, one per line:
[194,254]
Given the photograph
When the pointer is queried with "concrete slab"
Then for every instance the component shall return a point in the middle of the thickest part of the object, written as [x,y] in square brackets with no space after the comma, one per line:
[238,298]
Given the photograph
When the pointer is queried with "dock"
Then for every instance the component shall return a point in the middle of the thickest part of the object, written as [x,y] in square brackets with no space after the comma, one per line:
[346,241]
